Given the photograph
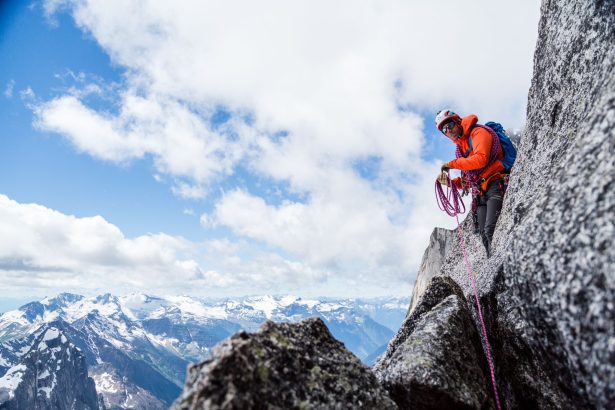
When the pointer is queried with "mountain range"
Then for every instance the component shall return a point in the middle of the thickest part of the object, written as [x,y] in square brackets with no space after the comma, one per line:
[137,347]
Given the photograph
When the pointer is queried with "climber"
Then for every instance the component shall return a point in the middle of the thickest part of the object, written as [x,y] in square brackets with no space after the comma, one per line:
[479,157]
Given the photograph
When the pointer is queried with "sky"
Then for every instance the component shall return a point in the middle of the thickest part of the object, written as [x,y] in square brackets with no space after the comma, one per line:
[241,147]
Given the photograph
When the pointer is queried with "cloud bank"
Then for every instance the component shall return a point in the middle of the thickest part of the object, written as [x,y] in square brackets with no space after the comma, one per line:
[322,100]
[44,250]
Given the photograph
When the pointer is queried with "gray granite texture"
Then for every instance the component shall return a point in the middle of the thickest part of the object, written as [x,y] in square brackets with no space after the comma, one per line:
[439,246]
[283,366]
[548,291]
[436,359]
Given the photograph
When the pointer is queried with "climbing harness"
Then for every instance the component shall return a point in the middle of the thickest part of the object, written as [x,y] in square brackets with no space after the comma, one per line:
[453,205]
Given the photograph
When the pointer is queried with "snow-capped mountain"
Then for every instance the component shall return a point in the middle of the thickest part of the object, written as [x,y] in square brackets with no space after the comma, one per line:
[137,347]
[51,375]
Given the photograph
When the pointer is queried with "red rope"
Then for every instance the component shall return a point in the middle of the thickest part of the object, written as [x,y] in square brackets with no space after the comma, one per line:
[454,209]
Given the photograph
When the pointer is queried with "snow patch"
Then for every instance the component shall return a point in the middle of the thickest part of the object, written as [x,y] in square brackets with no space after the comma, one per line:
[46,390]
[14,320]
[12,379]
[86,306]
[106,383]
[266,304]
[51,334]
[288,300]
[140,306]
[50,316]
[170,343]
[191,306]
[329,307]
[309,303]
[43,375]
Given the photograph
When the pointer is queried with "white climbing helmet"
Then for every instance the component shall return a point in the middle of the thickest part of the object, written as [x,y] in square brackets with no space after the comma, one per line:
[444,116]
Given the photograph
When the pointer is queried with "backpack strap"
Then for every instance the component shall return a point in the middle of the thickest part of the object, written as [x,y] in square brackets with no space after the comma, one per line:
[465,155]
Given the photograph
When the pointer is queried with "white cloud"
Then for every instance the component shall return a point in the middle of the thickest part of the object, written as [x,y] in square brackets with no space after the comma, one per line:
[336,89]
[178,139]
[8,90]
[248,269]
[48,247]
[189,191]
[206,221]
[349,225]
[42,249]
[344,81]
[27,95]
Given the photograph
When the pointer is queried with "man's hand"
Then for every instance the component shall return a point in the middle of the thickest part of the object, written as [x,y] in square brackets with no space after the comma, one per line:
[445,167]
[443,178]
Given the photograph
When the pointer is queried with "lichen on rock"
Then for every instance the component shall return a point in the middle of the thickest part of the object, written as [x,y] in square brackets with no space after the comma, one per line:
[283,366]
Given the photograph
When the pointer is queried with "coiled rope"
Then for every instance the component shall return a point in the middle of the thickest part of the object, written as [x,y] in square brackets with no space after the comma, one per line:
[453,205]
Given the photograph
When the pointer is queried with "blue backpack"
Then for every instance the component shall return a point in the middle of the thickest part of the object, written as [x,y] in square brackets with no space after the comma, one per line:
[510,152]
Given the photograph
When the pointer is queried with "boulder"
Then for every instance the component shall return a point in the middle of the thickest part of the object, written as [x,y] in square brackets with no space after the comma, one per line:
[283,366]
[436,359]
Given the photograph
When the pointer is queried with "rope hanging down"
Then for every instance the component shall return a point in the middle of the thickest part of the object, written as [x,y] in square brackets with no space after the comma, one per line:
[453,205]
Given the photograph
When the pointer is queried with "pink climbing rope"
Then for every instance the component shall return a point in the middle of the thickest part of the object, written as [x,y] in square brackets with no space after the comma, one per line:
[453,205]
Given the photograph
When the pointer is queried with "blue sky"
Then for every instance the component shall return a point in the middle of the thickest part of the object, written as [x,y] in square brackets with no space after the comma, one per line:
[44,55]
[196,149]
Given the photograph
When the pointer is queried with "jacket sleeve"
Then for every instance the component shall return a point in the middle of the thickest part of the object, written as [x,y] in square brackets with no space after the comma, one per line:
[481,150]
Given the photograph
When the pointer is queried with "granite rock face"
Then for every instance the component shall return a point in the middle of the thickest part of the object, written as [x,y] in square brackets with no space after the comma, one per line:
[548,290]
[439,246]
[283,366]
[436,359]
[560,260]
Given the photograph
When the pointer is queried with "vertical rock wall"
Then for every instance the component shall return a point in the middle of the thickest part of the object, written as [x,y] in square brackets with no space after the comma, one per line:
[559,260]
[548,290]
[439,246]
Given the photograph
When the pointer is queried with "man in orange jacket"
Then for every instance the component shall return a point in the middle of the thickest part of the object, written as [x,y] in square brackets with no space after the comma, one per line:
[479,159]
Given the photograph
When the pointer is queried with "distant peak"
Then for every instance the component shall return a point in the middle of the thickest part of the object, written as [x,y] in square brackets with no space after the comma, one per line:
[62,300]
[33,310]
[106,298]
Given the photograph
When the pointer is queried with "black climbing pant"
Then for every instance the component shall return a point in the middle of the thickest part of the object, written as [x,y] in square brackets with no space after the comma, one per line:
[488,208]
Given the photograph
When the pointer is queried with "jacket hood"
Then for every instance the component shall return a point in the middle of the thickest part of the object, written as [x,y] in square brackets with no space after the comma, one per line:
[467,123]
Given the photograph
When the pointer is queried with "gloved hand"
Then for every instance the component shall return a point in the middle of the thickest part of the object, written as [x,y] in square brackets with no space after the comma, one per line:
[445,167]
[443,178]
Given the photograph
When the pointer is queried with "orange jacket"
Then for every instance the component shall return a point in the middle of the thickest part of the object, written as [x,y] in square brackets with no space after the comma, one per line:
[481,150]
